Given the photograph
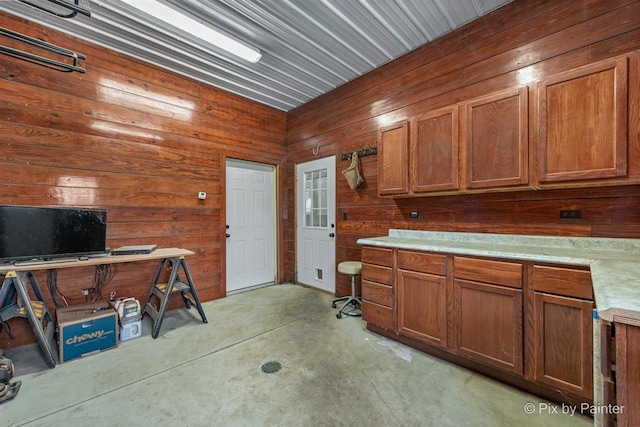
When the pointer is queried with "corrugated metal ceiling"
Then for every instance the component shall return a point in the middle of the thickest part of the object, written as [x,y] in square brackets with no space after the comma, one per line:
[309,47]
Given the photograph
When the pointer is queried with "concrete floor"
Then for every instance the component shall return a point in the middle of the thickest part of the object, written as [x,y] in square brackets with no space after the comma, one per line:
[334,373]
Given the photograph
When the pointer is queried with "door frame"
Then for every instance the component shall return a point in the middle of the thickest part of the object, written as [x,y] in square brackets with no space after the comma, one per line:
[295,214]
[223,214]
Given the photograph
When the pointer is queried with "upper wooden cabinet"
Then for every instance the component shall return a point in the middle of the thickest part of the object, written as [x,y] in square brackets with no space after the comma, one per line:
[393,159]
[579,125]
[494,140]
[480,144]
[434,149]
[582,123]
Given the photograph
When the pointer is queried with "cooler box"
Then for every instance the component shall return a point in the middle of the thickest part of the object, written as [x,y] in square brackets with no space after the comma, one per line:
[86,329]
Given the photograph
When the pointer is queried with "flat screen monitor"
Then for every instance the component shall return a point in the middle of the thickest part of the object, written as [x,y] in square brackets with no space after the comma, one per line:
[43,233]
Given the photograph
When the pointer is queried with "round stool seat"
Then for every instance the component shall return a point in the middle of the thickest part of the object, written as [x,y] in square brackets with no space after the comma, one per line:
[350,267]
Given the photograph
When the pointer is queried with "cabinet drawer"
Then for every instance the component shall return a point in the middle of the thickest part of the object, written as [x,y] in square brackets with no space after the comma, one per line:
[563,281]
[423,262]
[377,293]
[483,270]
[375,273]
[377,314]
[379,256]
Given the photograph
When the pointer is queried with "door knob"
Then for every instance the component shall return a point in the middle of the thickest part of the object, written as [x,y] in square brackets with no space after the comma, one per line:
[332,235]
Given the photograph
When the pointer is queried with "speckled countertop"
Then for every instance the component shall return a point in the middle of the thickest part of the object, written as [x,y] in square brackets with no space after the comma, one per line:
[614,263]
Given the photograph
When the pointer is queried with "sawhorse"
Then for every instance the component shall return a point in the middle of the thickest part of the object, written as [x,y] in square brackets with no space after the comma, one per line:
[163,292]
[16,302]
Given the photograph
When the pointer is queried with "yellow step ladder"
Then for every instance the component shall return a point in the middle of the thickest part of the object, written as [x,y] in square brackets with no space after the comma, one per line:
[163,292]
[16,302]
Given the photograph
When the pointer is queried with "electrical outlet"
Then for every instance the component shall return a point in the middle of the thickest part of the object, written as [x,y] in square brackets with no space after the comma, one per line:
[344,215]
[570,214]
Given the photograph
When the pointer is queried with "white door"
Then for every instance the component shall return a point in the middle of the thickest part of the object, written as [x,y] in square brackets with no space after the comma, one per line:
[251,243]
[315,223]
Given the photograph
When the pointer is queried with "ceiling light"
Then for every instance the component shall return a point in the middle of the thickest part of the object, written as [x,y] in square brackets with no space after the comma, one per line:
[173,17]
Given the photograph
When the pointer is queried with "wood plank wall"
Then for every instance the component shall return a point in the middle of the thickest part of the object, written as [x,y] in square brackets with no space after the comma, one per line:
[524,41]
[134,139]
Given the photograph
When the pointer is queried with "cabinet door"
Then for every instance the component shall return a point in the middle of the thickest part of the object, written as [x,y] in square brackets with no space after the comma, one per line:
[582,123]
[422,306]
[628,373]
[488,324]
[563,349]
[434,148]
[495,140]
[393,159]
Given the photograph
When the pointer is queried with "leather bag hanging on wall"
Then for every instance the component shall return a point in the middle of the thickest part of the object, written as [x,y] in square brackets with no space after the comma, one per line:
[352,173]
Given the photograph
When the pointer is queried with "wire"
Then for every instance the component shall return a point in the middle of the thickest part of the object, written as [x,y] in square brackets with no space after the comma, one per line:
[103,276]
[52,284]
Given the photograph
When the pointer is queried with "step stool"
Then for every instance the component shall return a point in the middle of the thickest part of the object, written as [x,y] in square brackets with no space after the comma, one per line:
[163,292]
[16,302]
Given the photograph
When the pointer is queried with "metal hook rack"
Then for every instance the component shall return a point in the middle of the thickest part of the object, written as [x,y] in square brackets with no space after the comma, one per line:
[74,7]
[361,153]
[41,60]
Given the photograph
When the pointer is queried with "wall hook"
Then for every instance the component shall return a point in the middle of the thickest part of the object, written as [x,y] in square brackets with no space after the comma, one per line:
[315,150]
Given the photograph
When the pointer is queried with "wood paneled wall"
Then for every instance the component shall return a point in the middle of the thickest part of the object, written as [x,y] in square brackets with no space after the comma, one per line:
[523,42]
[141,142]
[134,139]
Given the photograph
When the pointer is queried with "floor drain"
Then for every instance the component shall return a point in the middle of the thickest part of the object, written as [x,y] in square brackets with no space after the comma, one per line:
[271,367]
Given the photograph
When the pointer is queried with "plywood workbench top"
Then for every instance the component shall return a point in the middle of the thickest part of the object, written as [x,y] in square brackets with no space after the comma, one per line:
[159,253]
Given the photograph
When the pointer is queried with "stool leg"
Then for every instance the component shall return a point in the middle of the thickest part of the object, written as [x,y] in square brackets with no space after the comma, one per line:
[350,300]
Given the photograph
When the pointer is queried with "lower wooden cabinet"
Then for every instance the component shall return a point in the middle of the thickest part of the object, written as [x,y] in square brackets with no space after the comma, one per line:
[377,314]
[562,333]
[488,324]
[484,310]
[422,306]
[561,329]
[377,287]
[628,374]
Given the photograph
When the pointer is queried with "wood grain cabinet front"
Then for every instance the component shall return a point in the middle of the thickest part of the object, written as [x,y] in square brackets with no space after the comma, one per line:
[393,159]
[377,286]
[628,374]
[434,151]
[582,123]
[494,140]
[562,329]
[422,296]
[487,306]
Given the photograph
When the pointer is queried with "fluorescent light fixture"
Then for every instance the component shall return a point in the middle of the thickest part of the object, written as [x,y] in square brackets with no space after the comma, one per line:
[195,28]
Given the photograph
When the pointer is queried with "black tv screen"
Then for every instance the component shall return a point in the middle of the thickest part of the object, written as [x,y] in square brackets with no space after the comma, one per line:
[40,233]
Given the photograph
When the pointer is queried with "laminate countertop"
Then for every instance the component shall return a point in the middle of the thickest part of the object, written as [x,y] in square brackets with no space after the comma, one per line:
[614,263]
